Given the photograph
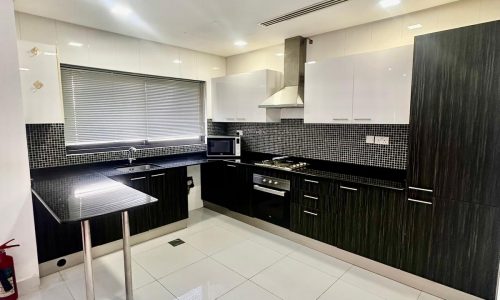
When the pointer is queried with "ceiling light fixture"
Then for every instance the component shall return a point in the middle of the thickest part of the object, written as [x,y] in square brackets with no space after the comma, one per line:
[240,43]
[177,61]
[121,10]
[389,3]
[415,26]
[75,44]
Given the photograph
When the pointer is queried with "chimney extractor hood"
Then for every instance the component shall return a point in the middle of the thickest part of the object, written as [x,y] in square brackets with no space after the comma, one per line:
[292,95]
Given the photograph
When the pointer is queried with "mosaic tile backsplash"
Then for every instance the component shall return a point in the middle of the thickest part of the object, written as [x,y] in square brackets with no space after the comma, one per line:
[47,149]
[333,142]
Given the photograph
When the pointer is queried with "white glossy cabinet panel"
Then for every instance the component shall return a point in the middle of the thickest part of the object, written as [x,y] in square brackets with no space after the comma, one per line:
[328,91]
[382,86]
[40,83]
[368,88]
[236,98]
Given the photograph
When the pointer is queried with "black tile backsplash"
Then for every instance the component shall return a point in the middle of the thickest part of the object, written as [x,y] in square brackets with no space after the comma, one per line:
[333,142]
[47,149]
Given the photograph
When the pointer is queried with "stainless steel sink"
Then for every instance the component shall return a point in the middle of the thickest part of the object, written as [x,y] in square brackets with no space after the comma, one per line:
[137,168]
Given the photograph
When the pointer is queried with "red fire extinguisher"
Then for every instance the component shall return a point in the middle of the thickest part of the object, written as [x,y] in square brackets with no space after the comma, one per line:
[8,286]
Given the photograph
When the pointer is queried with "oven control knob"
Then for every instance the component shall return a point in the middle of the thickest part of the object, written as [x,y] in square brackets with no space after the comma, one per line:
[264,180]
[275,182]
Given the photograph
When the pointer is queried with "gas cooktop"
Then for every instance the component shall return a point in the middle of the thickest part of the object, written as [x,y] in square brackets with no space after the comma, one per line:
[282,163]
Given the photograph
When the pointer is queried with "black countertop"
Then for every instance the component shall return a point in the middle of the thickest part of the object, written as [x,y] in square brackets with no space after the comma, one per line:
[77,193]
[81,192]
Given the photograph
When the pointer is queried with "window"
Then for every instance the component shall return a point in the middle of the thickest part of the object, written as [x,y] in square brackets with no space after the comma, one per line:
[109,110]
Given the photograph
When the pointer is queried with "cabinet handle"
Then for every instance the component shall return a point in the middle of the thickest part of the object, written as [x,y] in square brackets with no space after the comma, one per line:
[311,197]
[230,119]
[158,175]
[137,178]
[362,119]
[420,201]
[311,181]
[420,189]
[310,213]
[348,188]
[232,166]
[241,119]
[340,119]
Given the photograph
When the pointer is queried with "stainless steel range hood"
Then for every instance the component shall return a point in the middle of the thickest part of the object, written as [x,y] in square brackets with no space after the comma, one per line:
[292,95]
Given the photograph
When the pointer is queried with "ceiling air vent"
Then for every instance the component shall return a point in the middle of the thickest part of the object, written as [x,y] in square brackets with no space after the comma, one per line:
[303,11]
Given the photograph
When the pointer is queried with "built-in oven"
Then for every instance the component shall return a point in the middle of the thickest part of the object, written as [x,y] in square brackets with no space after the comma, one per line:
[223,146]
[271,199]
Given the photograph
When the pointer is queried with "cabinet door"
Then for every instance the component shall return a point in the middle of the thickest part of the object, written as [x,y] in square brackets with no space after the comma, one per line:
[465,247]
[311,222]
[328,91]
[139,217]
[169,186]
[38,63]
[224,101]
[382,85]
[212,183]
[237,188]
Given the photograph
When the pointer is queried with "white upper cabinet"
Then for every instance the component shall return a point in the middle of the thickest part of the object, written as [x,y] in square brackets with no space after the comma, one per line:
[236,98]
[369,88]
[40,83]
[328,91]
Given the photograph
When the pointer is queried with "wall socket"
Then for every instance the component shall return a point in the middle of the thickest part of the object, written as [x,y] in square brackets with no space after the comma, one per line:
[239,132]
[370,139]
[382,140]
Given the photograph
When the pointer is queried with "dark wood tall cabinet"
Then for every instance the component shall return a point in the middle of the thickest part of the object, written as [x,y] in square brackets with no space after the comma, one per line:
[451,230]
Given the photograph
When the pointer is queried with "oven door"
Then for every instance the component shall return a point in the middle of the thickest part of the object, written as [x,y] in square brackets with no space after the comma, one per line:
[271,205]
[221,147]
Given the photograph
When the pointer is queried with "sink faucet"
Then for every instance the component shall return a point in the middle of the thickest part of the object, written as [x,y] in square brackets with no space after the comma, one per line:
[130,155]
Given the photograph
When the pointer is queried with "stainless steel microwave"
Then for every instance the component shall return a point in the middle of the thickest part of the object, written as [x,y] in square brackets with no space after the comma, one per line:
[223,146]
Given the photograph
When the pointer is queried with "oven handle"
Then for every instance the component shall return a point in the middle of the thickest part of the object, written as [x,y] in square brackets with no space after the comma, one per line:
[269,191]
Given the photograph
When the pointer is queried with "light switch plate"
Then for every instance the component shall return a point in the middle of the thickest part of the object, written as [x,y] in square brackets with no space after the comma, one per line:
[239,132]
[370,139]
[382,140]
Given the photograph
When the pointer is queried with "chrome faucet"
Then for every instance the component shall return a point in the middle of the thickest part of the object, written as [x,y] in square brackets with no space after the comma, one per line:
[130,155]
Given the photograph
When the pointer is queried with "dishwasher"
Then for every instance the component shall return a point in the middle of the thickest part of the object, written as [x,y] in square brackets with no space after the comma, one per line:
[271,199]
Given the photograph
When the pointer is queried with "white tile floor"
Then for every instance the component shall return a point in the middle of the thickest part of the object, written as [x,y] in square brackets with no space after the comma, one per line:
[225,259]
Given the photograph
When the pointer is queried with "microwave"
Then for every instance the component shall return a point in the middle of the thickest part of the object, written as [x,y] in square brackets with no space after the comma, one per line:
[223,146]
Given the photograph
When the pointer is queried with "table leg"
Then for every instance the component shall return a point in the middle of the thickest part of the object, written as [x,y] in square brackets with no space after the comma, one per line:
[87,260]
[127,256]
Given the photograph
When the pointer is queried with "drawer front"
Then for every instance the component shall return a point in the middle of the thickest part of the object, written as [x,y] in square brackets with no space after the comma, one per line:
[312,200]
[311,185]
[311,222]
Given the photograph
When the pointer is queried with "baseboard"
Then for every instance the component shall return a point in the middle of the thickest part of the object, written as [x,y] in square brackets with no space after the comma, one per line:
[28,285]
[74,259]
[398,275]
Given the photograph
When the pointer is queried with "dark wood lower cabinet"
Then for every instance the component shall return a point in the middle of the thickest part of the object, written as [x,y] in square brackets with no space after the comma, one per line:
[56,240]
[311,222]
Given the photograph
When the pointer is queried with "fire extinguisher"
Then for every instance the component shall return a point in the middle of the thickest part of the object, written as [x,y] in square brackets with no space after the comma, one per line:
[8,286]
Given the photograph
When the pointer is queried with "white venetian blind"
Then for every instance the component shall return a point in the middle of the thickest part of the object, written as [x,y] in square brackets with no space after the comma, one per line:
[104,107]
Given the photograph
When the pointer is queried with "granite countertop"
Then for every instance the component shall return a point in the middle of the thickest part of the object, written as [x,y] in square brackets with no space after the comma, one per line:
[77,193]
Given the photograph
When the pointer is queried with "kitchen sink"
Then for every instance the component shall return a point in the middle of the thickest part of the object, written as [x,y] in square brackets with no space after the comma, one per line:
[137,168]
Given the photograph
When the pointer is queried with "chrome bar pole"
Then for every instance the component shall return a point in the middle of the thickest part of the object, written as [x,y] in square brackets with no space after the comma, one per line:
[87,260]
[127,256]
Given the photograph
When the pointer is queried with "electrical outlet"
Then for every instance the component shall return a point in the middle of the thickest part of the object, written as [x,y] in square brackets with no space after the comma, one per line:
[382,140]
[370,139]
[239,132]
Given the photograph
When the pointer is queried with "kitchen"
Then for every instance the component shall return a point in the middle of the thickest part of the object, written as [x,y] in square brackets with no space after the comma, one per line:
[308,150]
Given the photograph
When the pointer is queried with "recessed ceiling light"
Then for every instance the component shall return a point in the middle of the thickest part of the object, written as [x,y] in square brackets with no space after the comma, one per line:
[415,26]
[75,44]
[240,43]
[177,61]
[280,54]
[24,69]
[121,10]
[389,3]
[311,62]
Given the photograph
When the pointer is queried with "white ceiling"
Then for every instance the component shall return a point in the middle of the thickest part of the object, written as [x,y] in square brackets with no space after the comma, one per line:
[213,25]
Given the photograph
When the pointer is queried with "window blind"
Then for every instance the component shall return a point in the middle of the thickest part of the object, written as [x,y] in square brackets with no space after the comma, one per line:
[103,107]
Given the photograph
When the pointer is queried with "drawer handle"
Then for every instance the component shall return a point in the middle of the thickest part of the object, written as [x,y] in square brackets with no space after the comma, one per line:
[348,188]
[420,201]
[232,166]
[362,119]
[340,119]
[310,197]
[311,181]
[420,189]
[310,213]
[158,175]
[137,178]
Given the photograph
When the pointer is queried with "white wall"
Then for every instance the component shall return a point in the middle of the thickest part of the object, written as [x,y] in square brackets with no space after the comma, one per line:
[16,212]
[102,49]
